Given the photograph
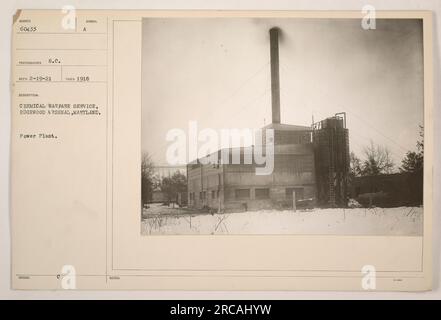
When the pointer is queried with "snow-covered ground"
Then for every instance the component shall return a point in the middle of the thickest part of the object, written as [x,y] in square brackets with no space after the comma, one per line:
[357,221]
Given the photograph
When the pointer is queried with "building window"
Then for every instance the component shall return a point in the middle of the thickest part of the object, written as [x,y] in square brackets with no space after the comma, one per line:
[299,193]
[200,195]
[242,193]
[213,194]
[204,195]
[262,193]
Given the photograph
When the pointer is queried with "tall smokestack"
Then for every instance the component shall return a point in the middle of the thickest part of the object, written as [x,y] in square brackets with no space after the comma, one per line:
[275,81]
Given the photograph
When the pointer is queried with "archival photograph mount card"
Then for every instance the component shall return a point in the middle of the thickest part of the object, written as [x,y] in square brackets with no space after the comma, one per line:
[221,150]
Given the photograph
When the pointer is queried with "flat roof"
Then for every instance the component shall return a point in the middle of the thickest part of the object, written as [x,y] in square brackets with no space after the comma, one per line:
[286,127]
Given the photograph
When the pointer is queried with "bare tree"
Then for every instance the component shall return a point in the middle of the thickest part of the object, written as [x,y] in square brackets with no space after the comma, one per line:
[414,160]
[173,185]
[413,166]
[147,178]
[355,165]
[377,161]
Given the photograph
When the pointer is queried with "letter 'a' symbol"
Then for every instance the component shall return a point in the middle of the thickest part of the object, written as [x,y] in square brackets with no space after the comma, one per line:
[368,22]
[68,277]
[69,19]
[368,281]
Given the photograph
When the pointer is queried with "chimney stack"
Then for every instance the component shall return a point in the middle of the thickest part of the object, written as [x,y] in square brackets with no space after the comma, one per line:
[275,81]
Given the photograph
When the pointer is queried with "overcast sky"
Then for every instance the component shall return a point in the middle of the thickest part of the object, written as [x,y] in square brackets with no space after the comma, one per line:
[217,71]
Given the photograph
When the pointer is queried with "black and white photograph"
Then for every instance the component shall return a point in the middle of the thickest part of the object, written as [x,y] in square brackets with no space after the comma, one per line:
[290,126]
[241,152]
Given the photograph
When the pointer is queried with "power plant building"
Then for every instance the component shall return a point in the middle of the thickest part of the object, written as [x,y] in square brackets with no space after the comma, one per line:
[311,164]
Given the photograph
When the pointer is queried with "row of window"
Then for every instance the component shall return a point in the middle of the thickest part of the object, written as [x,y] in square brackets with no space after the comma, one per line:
[203,195]
[264,193]
[241,194]
[260,193]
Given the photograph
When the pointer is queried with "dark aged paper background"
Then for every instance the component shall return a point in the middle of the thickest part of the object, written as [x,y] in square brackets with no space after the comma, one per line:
[75,193]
